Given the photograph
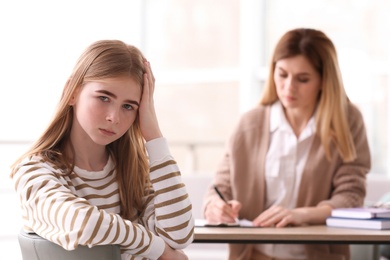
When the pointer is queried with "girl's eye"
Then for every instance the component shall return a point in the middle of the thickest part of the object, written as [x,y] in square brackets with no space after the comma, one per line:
[103,98]
[128,107]
[282,75]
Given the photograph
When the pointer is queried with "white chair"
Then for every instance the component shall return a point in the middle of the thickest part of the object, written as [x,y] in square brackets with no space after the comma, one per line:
[34,247]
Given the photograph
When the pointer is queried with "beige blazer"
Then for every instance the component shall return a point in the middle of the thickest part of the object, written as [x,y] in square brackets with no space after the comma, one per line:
[240,176]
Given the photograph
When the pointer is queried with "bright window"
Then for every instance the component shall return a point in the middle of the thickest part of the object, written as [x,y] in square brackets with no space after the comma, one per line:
[209,58]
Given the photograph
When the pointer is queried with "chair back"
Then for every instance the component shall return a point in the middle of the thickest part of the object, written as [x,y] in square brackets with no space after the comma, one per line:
[34,247]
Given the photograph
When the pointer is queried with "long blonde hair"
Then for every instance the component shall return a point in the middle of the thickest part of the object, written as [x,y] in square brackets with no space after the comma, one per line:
[102,59]
[331,119]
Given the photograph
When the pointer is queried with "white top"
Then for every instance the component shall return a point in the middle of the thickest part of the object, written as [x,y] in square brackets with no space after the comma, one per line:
[285,161]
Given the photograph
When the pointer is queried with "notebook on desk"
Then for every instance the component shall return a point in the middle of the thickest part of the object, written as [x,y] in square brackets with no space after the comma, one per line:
[372,223]
[239,223]
[361,213]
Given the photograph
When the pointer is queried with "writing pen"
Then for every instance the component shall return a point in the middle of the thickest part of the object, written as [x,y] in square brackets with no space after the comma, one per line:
[220,194]
[223,198]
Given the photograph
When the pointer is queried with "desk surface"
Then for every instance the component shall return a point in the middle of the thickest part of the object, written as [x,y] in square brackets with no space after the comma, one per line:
[301,235]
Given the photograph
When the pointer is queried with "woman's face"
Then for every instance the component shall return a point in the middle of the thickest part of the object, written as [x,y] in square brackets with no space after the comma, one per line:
[104,110]
[297,83]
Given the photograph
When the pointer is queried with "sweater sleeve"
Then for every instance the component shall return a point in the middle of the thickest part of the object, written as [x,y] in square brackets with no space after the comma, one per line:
[169,209]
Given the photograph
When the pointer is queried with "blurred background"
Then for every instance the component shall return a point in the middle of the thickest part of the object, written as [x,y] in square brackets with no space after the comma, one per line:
[210,59]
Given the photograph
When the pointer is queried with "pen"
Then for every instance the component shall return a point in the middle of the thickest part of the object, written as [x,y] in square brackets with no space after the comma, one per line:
[223,198]
[220,194]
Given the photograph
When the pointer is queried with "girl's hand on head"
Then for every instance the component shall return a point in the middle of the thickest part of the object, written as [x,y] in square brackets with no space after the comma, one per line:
[147,114]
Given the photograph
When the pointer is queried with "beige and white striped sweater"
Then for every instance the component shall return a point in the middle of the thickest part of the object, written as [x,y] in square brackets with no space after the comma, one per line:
[83,208]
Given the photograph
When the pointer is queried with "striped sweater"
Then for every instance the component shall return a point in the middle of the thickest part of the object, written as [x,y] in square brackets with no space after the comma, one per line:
[83,208]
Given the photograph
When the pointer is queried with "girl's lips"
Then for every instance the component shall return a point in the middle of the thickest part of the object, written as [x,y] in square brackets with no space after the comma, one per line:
[107,132]
[289,98]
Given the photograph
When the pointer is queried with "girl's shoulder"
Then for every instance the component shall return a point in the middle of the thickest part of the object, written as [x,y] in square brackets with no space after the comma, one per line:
[37,164]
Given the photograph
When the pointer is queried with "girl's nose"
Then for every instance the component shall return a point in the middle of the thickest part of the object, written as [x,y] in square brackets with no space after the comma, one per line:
[113,116]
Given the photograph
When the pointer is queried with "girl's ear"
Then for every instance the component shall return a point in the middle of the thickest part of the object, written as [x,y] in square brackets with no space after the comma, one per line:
[72,99]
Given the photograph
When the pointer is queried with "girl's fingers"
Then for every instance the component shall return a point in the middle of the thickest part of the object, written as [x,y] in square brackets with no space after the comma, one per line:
[145,93]
[150,76]
[150,72]
[148,90]
[148,118]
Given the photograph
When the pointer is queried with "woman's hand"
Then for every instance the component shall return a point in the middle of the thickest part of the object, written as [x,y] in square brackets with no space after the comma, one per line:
[147,114]
[218,211]
[277,216]
[170,254]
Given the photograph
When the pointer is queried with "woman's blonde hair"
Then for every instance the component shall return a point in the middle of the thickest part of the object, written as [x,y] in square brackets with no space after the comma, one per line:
[331,119]
[102,59]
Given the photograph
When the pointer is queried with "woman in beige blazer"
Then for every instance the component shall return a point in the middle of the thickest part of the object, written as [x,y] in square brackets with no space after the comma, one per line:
[300,153]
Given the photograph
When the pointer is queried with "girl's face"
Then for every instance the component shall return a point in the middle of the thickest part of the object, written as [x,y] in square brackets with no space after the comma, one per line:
[297,83]
[104,110]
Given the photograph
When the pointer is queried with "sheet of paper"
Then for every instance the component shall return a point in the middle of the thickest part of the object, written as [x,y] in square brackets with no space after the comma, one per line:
[240,223]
